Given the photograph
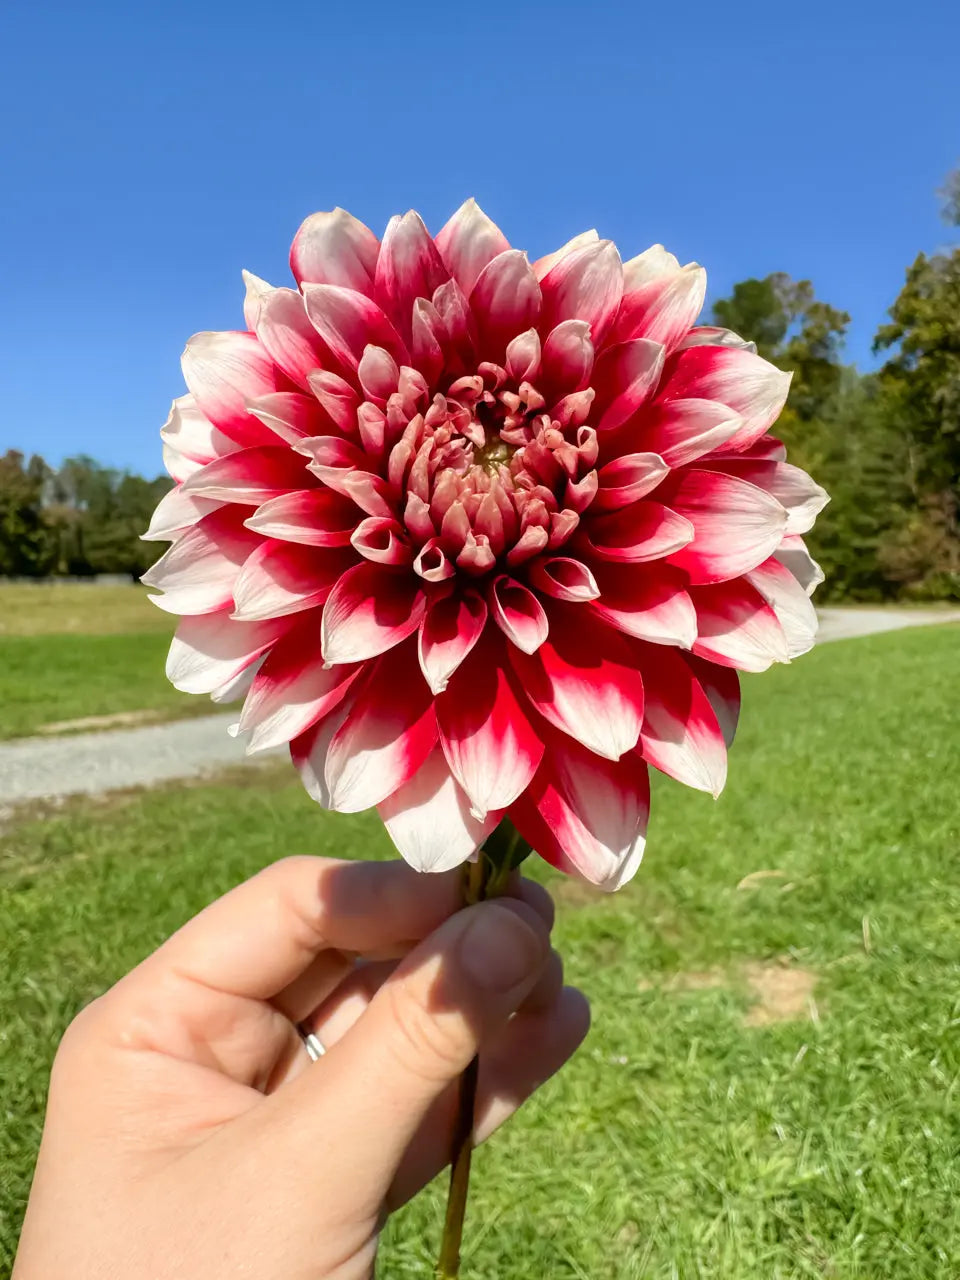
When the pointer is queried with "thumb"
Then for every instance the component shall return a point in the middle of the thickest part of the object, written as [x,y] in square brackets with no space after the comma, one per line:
[370,1093]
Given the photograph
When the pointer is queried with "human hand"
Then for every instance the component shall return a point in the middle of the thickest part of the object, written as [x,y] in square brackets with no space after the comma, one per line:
[189,1135]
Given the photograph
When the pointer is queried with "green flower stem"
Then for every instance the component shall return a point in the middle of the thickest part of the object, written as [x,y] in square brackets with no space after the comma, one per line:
[477,883]
[487,877]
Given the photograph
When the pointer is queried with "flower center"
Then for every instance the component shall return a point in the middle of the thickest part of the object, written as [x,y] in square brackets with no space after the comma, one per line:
[488,472]
[493,455]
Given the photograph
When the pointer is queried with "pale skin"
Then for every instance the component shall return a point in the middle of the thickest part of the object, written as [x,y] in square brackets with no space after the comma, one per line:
[189,1135]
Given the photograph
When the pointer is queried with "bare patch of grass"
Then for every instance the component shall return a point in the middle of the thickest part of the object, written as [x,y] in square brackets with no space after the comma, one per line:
[782,992]
[116,720]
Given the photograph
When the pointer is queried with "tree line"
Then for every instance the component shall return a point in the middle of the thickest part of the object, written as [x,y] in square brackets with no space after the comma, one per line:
[886,446]
[80,518]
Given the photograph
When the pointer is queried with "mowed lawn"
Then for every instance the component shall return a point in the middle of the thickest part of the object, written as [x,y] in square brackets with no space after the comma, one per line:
[69,651]
[771,1087]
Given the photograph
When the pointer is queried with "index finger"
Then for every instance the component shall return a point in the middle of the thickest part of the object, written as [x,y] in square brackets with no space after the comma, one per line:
[261,936]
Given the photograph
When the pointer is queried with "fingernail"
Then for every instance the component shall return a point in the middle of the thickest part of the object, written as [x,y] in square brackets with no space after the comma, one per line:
[499,948]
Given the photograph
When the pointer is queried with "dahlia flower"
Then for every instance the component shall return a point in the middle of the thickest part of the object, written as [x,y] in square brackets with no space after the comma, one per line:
[483,538]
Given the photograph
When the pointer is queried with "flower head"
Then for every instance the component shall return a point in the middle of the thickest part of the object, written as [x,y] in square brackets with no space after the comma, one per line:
[480,537]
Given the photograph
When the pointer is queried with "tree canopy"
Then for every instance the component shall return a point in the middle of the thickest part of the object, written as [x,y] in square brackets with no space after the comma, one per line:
[886,445]
[80,518]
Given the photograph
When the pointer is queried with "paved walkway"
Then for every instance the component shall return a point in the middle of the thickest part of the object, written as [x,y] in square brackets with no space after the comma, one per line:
[89,763]
[844,624]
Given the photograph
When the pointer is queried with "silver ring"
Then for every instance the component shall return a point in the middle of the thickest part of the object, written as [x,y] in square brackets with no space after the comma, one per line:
[312,1043]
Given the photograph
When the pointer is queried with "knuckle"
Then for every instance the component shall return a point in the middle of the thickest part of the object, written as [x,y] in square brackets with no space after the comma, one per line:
[81,1032]
[431,1044]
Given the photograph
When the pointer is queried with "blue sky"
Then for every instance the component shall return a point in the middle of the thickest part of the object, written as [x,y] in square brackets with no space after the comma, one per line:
[149,151]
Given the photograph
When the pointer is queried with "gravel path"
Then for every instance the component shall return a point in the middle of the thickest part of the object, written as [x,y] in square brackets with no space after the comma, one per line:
[89,763]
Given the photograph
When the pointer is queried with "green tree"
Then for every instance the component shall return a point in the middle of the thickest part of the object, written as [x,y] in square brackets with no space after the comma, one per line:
[857,451]
[27,544]
[794,330]
[922,375]
[99,514]
[837,425]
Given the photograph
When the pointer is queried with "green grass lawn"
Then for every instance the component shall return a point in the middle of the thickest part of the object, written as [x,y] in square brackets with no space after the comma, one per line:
[771,1087]
[69,651]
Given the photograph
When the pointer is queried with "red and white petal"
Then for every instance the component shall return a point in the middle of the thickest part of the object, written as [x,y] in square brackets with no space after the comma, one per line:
[175,513]
[312,517]
[332,452]
[191,435]
[370,610]
[567,360]
[197,574]
[236,689]
[625,377]
[505,301]
[209,651]
[491,747]
[335,248]
[255,287]
[707,335]
[457,331]
[802,498]
[386,737]
[429,818]
[625,480]
[409,267]
[549,260]
[746,383]
[226,370]
[655,263]
[563,578]
[643,531]
[792,552]
[682,431]
[251,476]
[518,613]
[468,242]
[178,467]
[379,375]
[681,734]
[450,628]
[585,284]
[309,751]
[349,322]
[286,334]
[431,562]
[587,815]
[737,628]
[382,539]
[523,356]
[290,415]
[282,577]
[722,687]
[788,600]
[339,399]
[649,604]
[662,309]
[583,680]
[293,689]
[736,524]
